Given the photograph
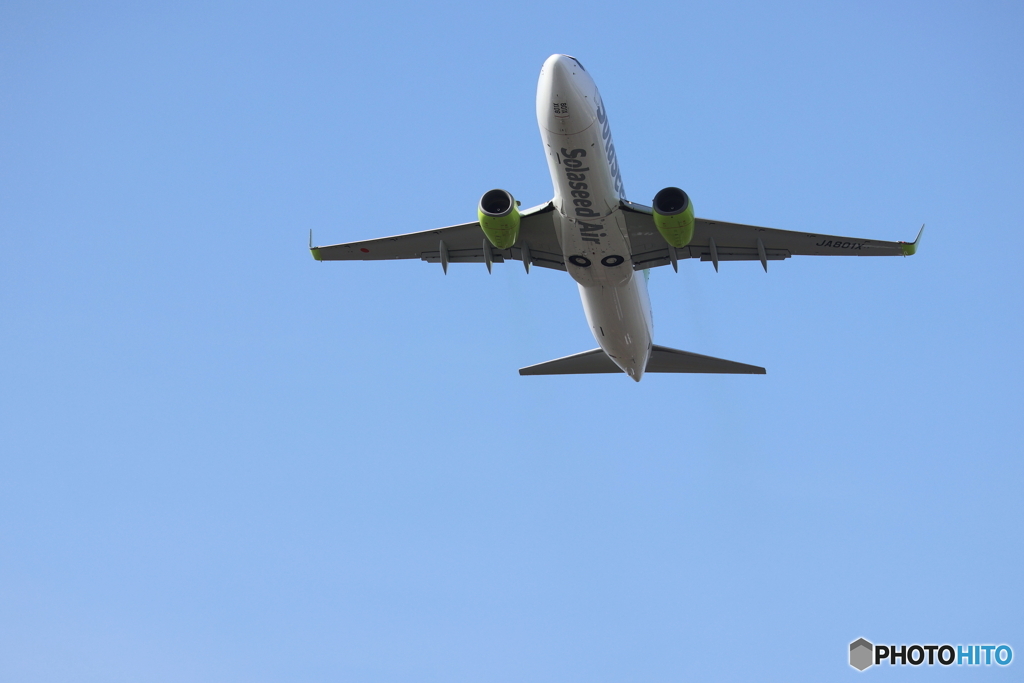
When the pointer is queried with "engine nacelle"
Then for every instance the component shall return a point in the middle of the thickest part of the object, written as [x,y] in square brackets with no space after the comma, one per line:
[673,216]
[498,213]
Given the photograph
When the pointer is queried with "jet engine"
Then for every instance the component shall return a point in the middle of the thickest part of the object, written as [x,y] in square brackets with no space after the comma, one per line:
[673,216]
[499,217]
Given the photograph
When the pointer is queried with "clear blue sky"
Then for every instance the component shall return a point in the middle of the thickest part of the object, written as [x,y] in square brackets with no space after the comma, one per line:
[223,461]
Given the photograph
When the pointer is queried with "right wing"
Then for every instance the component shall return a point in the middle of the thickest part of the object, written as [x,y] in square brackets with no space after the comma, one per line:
[464,243]
[718,241]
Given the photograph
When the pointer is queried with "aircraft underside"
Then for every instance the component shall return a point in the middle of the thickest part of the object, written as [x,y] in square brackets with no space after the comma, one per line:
[603,241]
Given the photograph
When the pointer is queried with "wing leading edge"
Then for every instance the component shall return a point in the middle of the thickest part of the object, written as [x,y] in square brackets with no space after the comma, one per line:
[719,241]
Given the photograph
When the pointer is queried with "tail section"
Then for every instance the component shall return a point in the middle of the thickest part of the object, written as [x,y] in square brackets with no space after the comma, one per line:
[663,359]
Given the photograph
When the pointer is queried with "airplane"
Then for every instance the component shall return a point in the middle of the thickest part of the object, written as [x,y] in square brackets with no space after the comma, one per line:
[605,242]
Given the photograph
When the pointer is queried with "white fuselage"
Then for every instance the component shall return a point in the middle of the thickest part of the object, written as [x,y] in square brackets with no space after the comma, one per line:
[591,228]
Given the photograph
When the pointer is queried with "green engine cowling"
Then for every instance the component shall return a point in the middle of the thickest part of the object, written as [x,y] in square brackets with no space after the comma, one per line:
[498,213]
[673,216]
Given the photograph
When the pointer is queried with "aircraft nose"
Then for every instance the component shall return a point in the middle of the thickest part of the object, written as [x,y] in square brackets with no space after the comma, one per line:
[559,69]
[558,63]
[565,96]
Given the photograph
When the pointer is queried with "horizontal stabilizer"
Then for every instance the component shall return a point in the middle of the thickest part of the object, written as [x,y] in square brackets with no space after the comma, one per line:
[586,363]
[663,359]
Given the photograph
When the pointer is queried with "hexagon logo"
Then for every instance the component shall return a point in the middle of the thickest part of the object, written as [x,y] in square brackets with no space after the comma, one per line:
[862,654]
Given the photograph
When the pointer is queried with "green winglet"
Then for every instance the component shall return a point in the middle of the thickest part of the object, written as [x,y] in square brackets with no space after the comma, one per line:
[909,249]
[315,251]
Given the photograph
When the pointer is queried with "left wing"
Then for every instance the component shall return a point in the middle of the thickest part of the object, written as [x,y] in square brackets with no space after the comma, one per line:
[717,241]
[465,243]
